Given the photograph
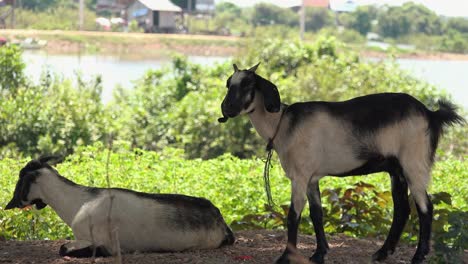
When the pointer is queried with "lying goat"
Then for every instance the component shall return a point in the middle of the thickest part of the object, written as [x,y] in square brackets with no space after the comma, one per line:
[388,132]
[143,221]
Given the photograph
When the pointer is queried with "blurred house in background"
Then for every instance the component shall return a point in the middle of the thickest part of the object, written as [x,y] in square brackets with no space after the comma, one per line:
[112,6]
[166,16]
[346,6]
[154,16]
[311,3]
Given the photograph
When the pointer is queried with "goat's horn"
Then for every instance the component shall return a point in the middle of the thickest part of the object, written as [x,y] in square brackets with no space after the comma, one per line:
[223,119]
[235,67]
[254,68]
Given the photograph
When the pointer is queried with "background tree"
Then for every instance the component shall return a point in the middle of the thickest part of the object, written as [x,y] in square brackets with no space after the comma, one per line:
[361,19]
[41,5]
[230,18]
[407,19]
[269,14]
[459,24]
[317,18]
[393,23]
[11,69]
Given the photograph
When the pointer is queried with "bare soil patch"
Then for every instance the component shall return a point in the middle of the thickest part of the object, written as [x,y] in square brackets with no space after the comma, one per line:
[254,246]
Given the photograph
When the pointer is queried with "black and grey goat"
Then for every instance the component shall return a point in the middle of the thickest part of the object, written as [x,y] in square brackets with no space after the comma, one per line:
[391,132]
[142,221]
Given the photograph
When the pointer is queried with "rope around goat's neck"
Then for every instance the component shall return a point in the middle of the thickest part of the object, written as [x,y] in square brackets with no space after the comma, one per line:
[266,170]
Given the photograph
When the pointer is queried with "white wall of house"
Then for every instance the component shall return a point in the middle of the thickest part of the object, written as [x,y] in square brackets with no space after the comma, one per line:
[167,19]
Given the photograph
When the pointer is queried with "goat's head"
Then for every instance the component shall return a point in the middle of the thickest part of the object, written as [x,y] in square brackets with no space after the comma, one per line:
[242,86]
[26,190]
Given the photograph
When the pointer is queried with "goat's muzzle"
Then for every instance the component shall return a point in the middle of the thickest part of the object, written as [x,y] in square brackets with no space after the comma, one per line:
[223,119]
[13,204]
[225,116]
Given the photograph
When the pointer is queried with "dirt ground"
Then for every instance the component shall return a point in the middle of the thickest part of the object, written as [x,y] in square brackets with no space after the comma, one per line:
[255,246]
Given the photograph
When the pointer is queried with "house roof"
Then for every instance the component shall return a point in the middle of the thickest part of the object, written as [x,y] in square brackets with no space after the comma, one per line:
[161,5]
[316,3]
[343,5]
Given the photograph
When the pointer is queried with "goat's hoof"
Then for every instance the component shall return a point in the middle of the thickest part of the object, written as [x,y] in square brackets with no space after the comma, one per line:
[82,249]
[417,259]
[380,255]
[283,259]
[318,258]
[76,249]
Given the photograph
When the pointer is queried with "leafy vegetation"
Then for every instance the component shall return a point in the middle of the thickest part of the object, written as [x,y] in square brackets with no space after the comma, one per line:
[164,109]
[235,186]
[11,69]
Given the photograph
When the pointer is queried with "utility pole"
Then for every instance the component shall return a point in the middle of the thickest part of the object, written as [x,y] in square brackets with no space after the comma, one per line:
[302,20]
[189,11]
[81,16]
[13,18]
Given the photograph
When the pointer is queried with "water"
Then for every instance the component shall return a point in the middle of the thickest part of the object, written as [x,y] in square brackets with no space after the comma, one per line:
[114,70]
[450,75]
[446,74]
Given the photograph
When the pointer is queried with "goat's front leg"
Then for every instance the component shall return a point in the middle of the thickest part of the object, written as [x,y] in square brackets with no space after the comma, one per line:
[316,214]
[82,249]
[294,218]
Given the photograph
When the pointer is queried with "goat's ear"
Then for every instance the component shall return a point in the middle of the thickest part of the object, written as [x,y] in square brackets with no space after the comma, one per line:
[235,67]
[270,93]
[51,159]
[254,68]
[26,182]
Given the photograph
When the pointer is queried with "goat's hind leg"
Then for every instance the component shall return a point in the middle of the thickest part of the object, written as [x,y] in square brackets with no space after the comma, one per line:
[417,176]
[401,211]
[316,214]
[425,224]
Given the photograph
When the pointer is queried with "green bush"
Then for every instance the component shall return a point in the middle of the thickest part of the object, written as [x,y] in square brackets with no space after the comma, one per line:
[11,69]
[51,118]
[61,17]
[454,42]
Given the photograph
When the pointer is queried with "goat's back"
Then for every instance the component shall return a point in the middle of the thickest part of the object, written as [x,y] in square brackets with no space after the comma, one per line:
[365,113]
[155,222]
[346,134]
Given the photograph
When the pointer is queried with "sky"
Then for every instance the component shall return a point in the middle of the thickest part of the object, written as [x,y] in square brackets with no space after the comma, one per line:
[441,7]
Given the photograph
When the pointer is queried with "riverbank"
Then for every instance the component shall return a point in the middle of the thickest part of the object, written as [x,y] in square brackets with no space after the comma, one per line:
[129,45]
[139,46]
[416,55]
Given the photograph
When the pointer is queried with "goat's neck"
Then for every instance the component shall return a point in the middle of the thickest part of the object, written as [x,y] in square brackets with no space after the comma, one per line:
[263,121]
[64,197]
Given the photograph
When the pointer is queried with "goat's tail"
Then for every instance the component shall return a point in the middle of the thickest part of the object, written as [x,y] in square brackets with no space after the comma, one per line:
[229,239]
[441,119]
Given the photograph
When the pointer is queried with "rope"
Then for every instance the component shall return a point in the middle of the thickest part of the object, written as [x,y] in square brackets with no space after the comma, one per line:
[266,170]
[266,179]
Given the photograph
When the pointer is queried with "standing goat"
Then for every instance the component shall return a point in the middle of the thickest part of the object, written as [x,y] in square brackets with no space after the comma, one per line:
[142,221]
[389,132]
